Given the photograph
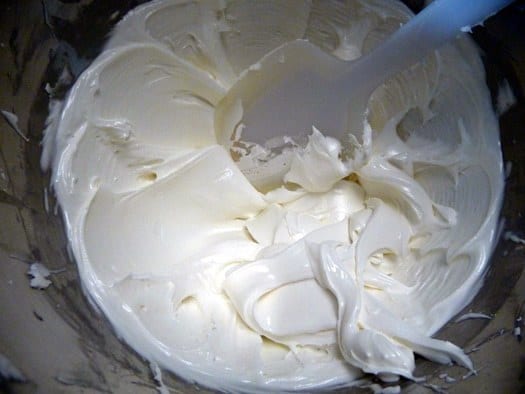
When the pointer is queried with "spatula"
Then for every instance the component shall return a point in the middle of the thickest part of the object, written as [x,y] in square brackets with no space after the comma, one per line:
[298,85]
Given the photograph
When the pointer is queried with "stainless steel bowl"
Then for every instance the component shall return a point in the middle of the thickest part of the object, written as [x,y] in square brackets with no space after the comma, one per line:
[60,343]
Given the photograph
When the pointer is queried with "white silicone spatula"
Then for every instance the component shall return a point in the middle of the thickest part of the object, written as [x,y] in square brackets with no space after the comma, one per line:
[298,86]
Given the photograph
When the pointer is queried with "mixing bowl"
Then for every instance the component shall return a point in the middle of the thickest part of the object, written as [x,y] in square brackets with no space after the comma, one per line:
[53,340]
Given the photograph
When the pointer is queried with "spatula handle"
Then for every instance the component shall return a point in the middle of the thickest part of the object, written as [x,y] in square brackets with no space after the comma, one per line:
[434,26]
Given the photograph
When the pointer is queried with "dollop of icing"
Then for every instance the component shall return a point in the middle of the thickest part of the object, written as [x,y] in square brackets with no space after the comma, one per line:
[337,267]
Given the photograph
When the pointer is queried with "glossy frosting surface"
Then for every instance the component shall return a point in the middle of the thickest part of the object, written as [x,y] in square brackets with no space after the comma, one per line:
[343,265]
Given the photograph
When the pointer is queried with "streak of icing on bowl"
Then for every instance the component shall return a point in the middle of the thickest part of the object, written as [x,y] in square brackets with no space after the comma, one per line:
[343,266]
[39,274]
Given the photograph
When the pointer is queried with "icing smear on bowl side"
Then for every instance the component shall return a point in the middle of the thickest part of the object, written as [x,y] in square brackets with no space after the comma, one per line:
[346,263]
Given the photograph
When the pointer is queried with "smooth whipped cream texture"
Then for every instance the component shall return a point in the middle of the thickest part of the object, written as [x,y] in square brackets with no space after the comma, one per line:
[347,263]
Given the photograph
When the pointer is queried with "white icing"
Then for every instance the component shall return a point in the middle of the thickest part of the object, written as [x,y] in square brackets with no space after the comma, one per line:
[12,121]
[157,375]
[472,315]
[511,236]
[46,200]
[378,389]
[8,371]
[342,263]
[505,99]
[39,274]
